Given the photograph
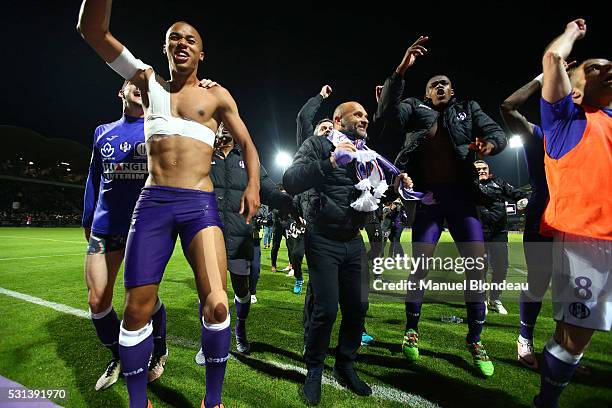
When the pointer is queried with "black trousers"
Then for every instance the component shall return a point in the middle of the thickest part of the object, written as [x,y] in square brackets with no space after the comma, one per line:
[338,275]
[395,235]
[375,236]
[295,247]
[496,247]
[277,237]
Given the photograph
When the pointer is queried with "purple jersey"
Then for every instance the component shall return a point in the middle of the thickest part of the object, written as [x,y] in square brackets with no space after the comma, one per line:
[117,173]
[563,123]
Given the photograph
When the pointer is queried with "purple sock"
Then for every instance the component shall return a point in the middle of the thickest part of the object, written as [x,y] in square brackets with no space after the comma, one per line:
[476,319]
[413,314]
[159,328]
[107,328]
[243,306]
[135,348]
[529,312]
[216,339]
[558,367]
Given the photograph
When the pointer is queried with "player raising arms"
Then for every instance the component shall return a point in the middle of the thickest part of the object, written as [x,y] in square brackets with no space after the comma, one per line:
[576,112]
[181,118]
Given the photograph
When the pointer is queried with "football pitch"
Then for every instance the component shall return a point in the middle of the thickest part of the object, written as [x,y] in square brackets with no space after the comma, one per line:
[47,341]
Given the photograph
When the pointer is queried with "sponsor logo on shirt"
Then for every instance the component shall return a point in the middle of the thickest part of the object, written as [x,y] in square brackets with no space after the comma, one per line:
[241,163]
[461,116]
[141,149]
[107,150]
[112,138]
[125,171]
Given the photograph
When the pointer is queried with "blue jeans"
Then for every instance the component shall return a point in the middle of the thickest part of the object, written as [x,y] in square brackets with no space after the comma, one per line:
[267,238]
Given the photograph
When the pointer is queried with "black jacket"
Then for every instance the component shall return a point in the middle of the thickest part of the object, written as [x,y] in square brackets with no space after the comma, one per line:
[305,129]
[414,118]
[329,210]
[305,118]
[494,192]
[229,177]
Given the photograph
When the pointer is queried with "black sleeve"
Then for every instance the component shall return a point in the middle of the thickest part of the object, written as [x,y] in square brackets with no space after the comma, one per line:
[486,128]
[305,117]
[491,215]
[510,192]
[309,169]
[270,195]
[391,110]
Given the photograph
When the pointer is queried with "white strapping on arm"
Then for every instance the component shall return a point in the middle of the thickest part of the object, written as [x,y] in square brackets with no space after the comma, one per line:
[127,65]
[539,78]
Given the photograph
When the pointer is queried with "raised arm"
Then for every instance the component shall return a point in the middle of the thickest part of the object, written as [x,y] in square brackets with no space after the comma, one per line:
[390,109]
[306,115]
[93,25]
[228,114]
[509,109]
[557,84]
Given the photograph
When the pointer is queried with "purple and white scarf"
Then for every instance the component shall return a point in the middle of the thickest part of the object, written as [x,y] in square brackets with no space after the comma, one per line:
[369,168]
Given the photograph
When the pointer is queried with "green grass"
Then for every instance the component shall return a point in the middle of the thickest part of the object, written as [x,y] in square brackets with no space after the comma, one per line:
[43,348]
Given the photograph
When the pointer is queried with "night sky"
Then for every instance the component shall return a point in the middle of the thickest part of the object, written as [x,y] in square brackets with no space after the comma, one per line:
[273,57]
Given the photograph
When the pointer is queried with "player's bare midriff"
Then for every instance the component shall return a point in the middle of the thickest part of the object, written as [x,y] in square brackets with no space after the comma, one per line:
[177,161]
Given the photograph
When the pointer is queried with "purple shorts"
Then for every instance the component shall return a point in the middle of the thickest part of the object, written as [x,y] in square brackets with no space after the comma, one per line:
[161,214]
[457,207]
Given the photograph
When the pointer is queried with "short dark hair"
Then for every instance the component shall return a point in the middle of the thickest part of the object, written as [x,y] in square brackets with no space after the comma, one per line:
[324,120]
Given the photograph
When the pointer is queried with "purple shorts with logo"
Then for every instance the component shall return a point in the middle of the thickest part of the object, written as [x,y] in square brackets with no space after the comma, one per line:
[161,214]
[455,205]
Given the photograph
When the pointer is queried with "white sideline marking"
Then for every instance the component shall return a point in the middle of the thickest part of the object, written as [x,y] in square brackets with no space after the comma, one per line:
[52,305]
[379,391]
[36,257]
[520,271]
[45,239]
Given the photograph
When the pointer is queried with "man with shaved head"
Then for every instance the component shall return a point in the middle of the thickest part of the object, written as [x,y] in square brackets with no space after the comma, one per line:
[181,120]
[576,113]
[443,137]
[335,251]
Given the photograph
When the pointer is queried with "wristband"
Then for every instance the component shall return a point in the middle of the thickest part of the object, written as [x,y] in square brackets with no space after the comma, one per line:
[127,65]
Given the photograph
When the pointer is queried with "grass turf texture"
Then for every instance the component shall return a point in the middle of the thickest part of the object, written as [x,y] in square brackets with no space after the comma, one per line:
[43,348]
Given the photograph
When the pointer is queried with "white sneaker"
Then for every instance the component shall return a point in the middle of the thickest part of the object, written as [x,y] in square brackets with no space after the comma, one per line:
[525,354]
[290,273]
[199,358]
[288,267]
[156,366]
[253,299]
[496,306]
[110,376]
